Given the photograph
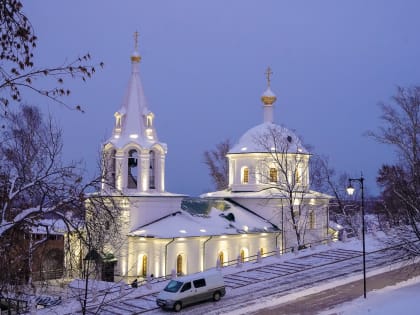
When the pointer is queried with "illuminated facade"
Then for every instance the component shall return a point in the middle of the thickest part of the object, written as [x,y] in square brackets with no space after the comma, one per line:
[159,236]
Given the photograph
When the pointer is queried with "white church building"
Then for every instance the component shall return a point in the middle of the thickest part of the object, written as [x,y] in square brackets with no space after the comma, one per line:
[162,231]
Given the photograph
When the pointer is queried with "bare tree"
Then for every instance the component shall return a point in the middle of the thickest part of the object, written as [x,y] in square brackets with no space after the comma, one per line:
[342,210]
[35,186]
[285,170]
[217,163]
[401,130]
[18,71]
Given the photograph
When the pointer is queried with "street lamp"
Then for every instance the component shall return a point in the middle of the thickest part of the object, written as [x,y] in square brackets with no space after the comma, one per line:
[350,190]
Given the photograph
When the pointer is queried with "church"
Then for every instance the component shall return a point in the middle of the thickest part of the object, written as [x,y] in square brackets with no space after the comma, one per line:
[266,208]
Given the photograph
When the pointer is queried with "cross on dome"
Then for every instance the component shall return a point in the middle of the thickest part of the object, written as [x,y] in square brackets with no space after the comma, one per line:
[136,40]
[135,57]
[268,74]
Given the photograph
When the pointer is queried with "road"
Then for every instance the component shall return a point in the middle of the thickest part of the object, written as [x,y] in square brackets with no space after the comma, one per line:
[329,298]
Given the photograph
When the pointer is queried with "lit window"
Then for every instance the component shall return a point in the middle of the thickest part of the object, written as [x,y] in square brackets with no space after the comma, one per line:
[144,266]
[312,219]
[298,176]
[221,258]
[245,175]
[179,265]
[273,175]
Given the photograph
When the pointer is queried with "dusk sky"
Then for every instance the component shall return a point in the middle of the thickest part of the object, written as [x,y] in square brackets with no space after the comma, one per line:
[203,65]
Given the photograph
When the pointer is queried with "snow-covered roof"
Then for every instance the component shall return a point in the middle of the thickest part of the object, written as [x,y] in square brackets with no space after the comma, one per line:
[216,222]
[54,226]
[269,193]
[268,136]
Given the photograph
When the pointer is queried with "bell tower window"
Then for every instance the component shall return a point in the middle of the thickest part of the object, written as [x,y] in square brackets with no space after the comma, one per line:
[112,168]
[152,170]
[132,169]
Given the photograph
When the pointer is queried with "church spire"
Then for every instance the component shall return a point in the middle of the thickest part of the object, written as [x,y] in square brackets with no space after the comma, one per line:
[268,98]
[135,157]
[134,121]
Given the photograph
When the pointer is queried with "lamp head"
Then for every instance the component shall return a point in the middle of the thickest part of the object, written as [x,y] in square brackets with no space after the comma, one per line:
[350,189]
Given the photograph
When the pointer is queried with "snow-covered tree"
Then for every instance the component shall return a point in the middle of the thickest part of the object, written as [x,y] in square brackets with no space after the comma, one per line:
[35,186]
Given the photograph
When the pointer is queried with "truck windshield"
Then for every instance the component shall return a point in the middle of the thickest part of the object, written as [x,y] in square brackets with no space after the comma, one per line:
[173,286]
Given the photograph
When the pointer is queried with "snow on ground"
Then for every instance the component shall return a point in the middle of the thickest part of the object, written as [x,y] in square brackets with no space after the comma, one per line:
[401,298]
[241,281]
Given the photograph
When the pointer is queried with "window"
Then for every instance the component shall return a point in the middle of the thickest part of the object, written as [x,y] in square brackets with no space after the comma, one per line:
[173,286]
[186,286]
[312,220]
[149,120]
[152,162]
[132,169]
[245,175]
[112,169]
[179,264]
[221,258]
[273,175]
[298,176]
[199,283]
[144,266]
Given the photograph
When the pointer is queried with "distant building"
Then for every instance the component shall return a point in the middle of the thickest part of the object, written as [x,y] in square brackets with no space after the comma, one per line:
[163,234]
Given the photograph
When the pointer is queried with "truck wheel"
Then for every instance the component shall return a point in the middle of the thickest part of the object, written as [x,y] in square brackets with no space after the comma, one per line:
[216,296]
[177,306]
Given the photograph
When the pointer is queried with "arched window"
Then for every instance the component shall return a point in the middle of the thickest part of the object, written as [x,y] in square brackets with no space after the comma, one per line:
[298,176]
[245,175]
[179,265]
[110,167]
[273,175]
[152,169]
[221,258]
[144,266]
[312,219]
[132,169]
[149,120]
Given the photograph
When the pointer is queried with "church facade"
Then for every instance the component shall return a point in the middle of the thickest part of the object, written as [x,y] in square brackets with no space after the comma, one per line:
[164,233]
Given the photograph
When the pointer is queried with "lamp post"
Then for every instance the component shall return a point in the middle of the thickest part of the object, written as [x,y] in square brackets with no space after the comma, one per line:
[350,191]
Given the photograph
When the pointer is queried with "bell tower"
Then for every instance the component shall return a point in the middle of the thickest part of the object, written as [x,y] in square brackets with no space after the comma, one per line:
[134,158]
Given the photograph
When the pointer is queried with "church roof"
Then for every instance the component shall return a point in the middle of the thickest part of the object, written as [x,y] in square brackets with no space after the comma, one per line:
[268,136]
[269,193]
[216,222]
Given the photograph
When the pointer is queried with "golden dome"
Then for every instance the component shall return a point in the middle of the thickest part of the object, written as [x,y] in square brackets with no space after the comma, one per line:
[135,57]
[268,99]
